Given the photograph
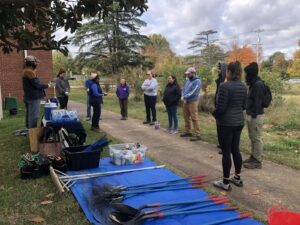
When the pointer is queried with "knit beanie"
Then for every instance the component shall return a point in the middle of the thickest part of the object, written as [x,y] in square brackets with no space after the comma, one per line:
[251,69]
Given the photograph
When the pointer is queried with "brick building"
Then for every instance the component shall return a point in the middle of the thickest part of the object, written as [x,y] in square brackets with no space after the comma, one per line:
[11,66]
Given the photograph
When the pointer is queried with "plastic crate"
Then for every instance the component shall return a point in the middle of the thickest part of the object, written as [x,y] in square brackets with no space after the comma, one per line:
[76,159]
[120,156]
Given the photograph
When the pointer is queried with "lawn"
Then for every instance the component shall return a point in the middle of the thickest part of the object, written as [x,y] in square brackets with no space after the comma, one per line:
[21,199]
[281,129]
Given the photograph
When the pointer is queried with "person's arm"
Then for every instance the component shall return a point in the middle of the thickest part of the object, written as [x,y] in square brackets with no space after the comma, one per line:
[144,85]
[117,91]
[258,94]
[196,85]
[127,91]
[60,86]
[245,99]
[37,84]
[95,91]
[222,101]
[153,85]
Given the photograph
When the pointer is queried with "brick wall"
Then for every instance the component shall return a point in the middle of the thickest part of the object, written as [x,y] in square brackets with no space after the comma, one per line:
[11,66]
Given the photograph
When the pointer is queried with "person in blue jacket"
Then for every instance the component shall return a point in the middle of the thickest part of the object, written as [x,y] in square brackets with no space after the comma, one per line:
[95,97]
[34,91]
[123,93]
[87,84]
[190,95]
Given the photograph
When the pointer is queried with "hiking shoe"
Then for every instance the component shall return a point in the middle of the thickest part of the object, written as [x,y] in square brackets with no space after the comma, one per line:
[250,159]
[196,138]
[236,182]
[173,131]
[186,135]
[146,122]
[253,165]
[220,184]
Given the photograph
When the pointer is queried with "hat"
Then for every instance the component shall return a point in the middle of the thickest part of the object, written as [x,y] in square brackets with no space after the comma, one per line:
[31,58]
[251,69]
[93,76]
[190,70]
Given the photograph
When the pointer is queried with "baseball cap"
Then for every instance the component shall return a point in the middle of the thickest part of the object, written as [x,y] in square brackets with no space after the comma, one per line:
[190,70]
[31,58]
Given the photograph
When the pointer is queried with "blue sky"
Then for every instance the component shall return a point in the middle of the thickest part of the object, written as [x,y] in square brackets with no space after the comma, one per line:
[180,20]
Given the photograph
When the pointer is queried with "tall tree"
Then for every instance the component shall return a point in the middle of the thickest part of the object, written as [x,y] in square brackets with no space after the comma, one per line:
[294,68]
[212,54]
[279,64]
[113,42]
[67,63]
[244,54]
[31,24]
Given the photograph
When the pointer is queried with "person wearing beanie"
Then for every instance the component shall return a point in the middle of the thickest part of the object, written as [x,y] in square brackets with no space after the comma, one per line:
[62,89]
[34,91]
[231,102]
[190,94]
[255,115]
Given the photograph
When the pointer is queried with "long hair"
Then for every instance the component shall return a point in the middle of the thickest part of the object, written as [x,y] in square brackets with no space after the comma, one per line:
[175,80]
[235,70]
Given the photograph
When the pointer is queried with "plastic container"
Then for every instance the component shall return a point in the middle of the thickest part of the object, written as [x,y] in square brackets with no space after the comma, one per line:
[49,106]
[78,160]
[62,115]
[127,154]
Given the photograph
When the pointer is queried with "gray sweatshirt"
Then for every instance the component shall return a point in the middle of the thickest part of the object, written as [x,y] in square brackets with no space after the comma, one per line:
[150,87]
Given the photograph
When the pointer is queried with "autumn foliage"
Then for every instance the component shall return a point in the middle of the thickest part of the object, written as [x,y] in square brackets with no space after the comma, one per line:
[243,54]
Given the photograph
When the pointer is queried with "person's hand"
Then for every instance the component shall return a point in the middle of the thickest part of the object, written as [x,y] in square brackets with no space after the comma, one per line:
[104,94]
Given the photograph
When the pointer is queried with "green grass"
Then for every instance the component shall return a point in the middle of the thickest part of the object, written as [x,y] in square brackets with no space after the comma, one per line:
[284,118]
[20,200]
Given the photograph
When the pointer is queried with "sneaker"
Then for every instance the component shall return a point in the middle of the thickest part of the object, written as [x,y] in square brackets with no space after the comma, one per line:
[152,123]
[146,122]
[250,159]
[123,118]
[220,184]
[253,165]
[174,132]
[196,138]
[236,182]
[169,130]
[95,129]
[186,135]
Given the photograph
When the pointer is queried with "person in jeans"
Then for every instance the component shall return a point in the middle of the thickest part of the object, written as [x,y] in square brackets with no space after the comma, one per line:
[95,97]
[62,89]
[190,94]
[231,102]
[149,87]
[255,115]
[123,93]
[87,84]
[172,95]
[33,91]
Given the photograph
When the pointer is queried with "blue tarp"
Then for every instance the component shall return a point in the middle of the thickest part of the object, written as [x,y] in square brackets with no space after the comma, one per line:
[82,192]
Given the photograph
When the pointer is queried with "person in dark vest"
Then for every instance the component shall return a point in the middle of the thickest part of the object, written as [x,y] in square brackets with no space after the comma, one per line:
[62,89]
[123,93]
[34,91]
[95,97]
[231,102]
[172,95]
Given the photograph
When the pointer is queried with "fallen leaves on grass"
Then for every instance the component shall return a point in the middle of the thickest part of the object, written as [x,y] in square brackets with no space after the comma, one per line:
[37,219]
[223,193]
[46,202]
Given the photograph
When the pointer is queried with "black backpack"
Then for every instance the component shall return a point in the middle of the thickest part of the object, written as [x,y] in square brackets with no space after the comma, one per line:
[267,98]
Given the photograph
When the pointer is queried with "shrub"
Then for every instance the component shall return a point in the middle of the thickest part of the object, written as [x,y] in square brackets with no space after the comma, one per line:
[207,102]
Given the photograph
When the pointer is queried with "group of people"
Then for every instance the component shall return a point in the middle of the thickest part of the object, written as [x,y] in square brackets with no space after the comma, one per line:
[232,99]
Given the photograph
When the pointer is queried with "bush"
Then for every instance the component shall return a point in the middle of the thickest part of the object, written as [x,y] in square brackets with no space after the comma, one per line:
[207,103]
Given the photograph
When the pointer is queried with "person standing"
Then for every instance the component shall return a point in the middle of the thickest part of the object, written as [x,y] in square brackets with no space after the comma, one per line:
[34,91]
[149,87]
[62,89]
[88,83]
[123,93]
[231,102]
[95,97]
[190,94]
[171,98]
[255,115]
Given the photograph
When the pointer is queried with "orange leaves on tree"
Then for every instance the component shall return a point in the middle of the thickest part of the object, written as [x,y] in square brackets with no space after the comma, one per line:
[244,54]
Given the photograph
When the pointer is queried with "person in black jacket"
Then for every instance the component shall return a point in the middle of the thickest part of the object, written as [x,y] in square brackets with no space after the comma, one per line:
[172,95]
[33,91]
[231,102]
[255,115]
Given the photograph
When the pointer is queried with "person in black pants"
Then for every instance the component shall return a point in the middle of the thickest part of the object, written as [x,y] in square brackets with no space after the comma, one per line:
[95,97]
[231,102]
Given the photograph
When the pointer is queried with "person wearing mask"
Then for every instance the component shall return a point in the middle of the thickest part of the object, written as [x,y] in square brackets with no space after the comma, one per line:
[62,89]
[171,98]
[88,83]
[255,115]
[149,87]
[95,97]
[122,93]
[222,68]
[190,95]
[34,91]
[231,102]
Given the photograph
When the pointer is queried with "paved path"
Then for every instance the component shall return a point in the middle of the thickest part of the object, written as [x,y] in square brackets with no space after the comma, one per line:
[262,188]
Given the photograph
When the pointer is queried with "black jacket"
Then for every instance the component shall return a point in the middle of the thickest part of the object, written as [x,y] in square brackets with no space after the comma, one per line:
[231,102]
[172,95]
[255,98]
[33,89]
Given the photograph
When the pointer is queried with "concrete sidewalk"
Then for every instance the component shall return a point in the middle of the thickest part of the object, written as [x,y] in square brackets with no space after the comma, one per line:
[274,184]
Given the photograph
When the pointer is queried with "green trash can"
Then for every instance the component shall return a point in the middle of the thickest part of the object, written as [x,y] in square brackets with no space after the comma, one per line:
[10,103]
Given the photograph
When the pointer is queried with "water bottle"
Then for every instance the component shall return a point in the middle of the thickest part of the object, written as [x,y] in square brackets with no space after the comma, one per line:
[156,125]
